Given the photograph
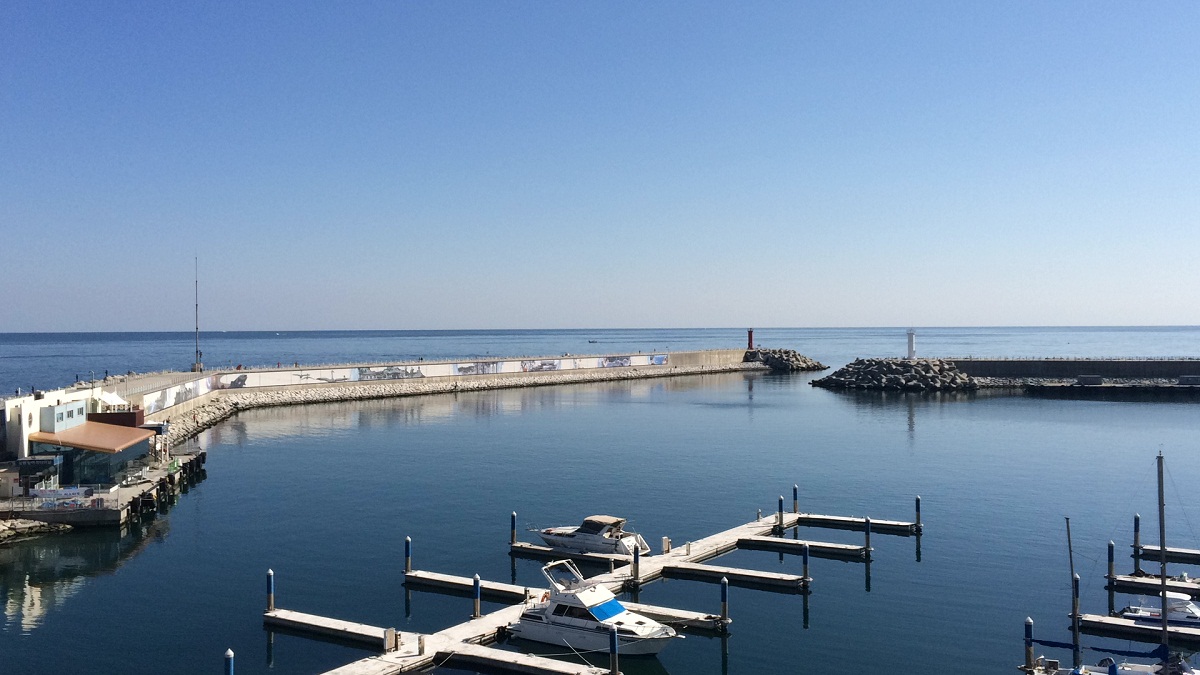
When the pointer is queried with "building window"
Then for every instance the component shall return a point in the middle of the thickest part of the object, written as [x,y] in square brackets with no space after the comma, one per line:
[59,417]
[70,414]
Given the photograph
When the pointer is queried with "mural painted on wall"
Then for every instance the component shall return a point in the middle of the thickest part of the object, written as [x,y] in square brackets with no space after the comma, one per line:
[173,396]
[390,373]
[477,368]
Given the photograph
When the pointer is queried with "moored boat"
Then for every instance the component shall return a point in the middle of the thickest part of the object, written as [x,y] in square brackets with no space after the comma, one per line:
[597,534]
[580,614]
[1181,611]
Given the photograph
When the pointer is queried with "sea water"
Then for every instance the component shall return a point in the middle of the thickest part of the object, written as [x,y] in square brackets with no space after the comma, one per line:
[325,495]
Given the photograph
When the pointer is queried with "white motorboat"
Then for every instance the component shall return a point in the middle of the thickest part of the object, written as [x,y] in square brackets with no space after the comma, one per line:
[580,614]
[1176,665]
[597,534]
[1181,611]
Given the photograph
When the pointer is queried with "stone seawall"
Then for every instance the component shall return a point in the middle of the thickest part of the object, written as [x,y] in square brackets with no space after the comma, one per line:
[224,404]
[1073,368]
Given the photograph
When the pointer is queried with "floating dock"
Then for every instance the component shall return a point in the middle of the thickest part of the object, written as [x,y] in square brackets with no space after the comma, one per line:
[1151,552]
[522,549]
[1152,585]
[385,639]
[713,574]
[464,645]
[816,549]
[894,527]
[1119,627]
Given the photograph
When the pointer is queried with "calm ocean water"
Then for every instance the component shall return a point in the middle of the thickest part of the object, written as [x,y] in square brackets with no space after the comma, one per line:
[325,495]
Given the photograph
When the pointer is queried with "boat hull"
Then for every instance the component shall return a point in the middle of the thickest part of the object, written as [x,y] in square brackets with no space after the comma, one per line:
[588,639]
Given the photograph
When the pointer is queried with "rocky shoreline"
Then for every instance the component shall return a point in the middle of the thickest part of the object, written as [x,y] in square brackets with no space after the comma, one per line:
[19,528]
[916,375]
[784,360]
[185,426]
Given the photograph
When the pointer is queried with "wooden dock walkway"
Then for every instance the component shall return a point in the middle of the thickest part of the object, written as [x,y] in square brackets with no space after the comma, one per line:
[495,590]
[776,581]
[816,549]
[1185,556]
[522,549]
[893,527]
[384,639]
[492,590]
[464,645]
[1150,584]
[1119,627]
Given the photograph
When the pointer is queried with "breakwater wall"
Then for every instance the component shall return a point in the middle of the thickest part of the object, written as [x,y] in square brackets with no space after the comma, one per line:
[1068,368]
[202,411]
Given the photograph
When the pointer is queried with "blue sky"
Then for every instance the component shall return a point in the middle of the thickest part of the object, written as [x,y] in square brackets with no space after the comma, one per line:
[429,165]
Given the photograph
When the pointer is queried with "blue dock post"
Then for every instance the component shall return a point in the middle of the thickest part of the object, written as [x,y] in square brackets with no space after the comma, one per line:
[724,599]
[478,594]
[637,564]
[512,537]
[1029,644]
[1076,653]
[270,590]
[795,498]
[867,544]
[918,514]
[1137,543]
[804,555]
[779,518]
[407,555]
[613,668]
[228,662]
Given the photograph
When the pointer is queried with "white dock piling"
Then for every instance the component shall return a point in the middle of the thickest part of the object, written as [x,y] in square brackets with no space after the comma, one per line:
[476,614]
[270,590]
[407,554]
[724,599]
[228,662]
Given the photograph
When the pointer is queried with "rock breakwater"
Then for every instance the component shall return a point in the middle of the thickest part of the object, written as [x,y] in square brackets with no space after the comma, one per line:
[787,360]
[225,405]
[20,528]
[899,375]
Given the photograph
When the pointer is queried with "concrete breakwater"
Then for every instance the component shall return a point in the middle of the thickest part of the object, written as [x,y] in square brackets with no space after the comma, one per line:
[19,528]
[787,360]
[228,403]
[899,375]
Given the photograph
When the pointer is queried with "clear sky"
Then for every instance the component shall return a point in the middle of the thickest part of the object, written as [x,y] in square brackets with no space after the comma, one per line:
[425,165]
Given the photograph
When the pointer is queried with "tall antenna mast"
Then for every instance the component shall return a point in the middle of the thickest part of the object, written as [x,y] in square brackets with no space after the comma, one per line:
[197,366]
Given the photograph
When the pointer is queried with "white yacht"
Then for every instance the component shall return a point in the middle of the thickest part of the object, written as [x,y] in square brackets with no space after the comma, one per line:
[580,614]
[1181,611]
[597,534]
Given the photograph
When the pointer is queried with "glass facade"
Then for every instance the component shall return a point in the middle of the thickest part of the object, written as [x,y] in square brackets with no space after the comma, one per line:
[85,467]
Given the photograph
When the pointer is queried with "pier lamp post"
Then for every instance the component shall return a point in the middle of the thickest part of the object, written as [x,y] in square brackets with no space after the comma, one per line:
[93,378]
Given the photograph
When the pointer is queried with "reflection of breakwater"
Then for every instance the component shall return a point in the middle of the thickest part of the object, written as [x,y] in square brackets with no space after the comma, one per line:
[415,410]
[228,402]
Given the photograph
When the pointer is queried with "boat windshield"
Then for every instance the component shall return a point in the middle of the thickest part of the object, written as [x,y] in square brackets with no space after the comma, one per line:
[607,610]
